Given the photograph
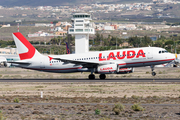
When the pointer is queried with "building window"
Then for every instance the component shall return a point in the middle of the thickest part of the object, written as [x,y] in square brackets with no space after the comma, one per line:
[86,30]
[71,30]
[79,21]
[78,24]
[79,30]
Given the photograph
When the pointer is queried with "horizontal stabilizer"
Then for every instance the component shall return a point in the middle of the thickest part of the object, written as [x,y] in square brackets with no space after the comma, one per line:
[21,62]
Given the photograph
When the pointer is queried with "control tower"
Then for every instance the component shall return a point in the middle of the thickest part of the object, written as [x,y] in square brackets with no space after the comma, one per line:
[81,28]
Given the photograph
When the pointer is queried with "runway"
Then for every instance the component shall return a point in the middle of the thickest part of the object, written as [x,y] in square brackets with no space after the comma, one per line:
[70,104]
[155,80]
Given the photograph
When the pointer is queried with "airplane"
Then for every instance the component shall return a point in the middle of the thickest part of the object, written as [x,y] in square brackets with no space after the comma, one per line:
[3,62]
[67,48]
[99,62]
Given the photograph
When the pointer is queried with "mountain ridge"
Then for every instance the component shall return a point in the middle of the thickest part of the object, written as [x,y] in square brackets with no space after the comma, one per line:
[10,3]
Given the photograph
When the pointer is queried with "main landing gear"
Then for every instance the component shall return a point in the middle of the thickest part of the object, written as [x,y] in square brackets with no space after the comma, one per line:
[152,69]
[91,76]
[102,76]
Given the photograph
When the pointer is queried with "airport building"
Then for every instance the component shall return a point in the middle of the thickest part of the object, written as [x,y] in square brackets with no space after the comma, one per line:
[10,51]
[81,28]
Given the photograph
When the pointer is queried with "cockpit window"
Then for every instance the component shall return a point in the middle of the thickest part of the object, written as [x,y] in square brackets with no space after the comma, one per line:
[164,51]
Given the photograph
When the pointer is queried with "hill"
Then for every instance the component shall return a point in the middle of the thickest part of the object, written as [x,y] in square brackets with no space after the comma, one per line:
[9,3]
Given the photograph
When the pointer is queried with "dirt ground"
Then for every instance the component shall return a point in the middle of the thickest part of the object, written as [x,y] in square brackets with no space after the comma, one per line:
[89,101]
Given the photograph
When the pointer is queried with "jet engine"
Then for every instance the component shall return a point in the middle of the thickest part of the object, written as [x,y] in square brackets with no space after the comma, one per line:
[106,69]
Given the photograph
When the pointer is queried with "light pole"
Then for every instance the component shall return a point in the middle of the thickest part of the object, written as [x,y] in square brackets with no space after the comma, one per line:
[116,42]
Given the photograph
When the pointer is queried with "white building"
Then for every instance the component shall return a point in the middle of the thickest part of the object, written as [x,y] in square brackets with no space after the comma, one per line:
[43,25]
[81,28]
[108,27]
[12,51]
[56,29]
[40,34]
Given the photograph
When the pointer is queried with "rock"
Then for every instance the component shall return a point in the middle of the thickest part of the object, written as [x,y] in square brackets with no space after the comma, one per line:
[18,106]
[79,113]
[10,108]
[35,112]
[55,119]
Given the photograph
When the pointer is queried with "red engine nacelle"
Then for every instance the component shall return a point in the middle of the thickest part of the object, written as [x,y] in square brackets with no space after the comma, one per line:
[106,69]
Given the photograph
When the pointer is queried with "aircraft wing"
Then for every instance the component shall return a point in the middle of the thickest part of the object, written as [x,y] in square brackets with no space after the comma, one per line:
[83,63]
[89,64]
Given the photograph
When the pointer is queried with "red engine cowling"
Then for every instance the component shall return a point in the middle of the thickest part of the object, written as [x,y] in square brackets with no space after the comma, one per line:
[106,69]
[125,70]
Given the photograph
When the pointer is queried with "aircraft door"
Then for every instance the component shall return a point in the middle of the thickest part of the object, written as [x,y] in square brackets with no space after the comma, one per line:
[149,53]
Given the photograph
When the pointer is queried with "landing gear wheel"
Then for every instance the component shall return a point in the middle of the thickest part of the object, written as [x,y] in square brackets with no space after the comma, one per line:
[152,69]
[153,73]
[102,76]
[91,76]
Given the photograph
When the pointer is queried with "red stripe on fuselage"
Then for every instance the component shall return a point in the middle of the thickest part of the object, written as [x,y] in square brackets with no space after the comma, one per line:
[31,49]
[152,61]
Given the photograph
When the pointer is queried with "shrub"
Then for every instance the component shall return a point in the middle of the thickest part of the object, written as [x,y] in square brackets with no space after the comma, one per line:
[147,72]
[125,96]
[118,108]
[97,112]
[137,107]
[16,100]
[160,72]
[134,97]
[1,116]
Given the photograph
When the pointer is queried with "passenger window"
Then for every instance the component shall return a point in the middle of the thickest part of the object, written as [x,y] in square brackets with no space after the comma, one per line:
[162,51]
[159,51]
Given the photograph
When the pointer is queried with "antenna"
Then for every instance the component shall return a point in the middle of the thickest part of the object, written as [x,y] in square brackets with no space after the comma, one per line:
[18,26]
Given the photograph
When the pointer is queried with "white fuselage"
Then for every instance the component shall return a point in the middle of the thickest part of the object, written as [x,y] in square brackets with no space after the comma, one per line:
[132,57]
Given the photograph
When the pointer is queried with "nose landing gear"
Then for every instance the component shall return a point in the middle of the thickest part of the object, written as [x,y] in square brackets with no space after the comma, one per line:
[152,69]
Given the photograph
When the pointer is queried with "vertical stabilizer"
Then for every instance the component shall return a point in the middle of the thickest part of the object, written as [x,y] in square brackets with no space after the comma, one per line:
[24,47]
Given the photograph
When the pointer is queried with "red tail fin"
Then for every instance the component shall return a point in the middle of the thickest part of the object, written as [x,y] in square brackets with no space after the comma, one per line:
[25,49]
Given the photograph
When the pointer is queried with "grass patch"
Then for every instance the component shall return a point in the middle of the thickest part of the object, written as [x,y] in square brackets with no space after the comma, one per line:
[16,100]
[97,112]
[39,86]
[137,107]
[118,108]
